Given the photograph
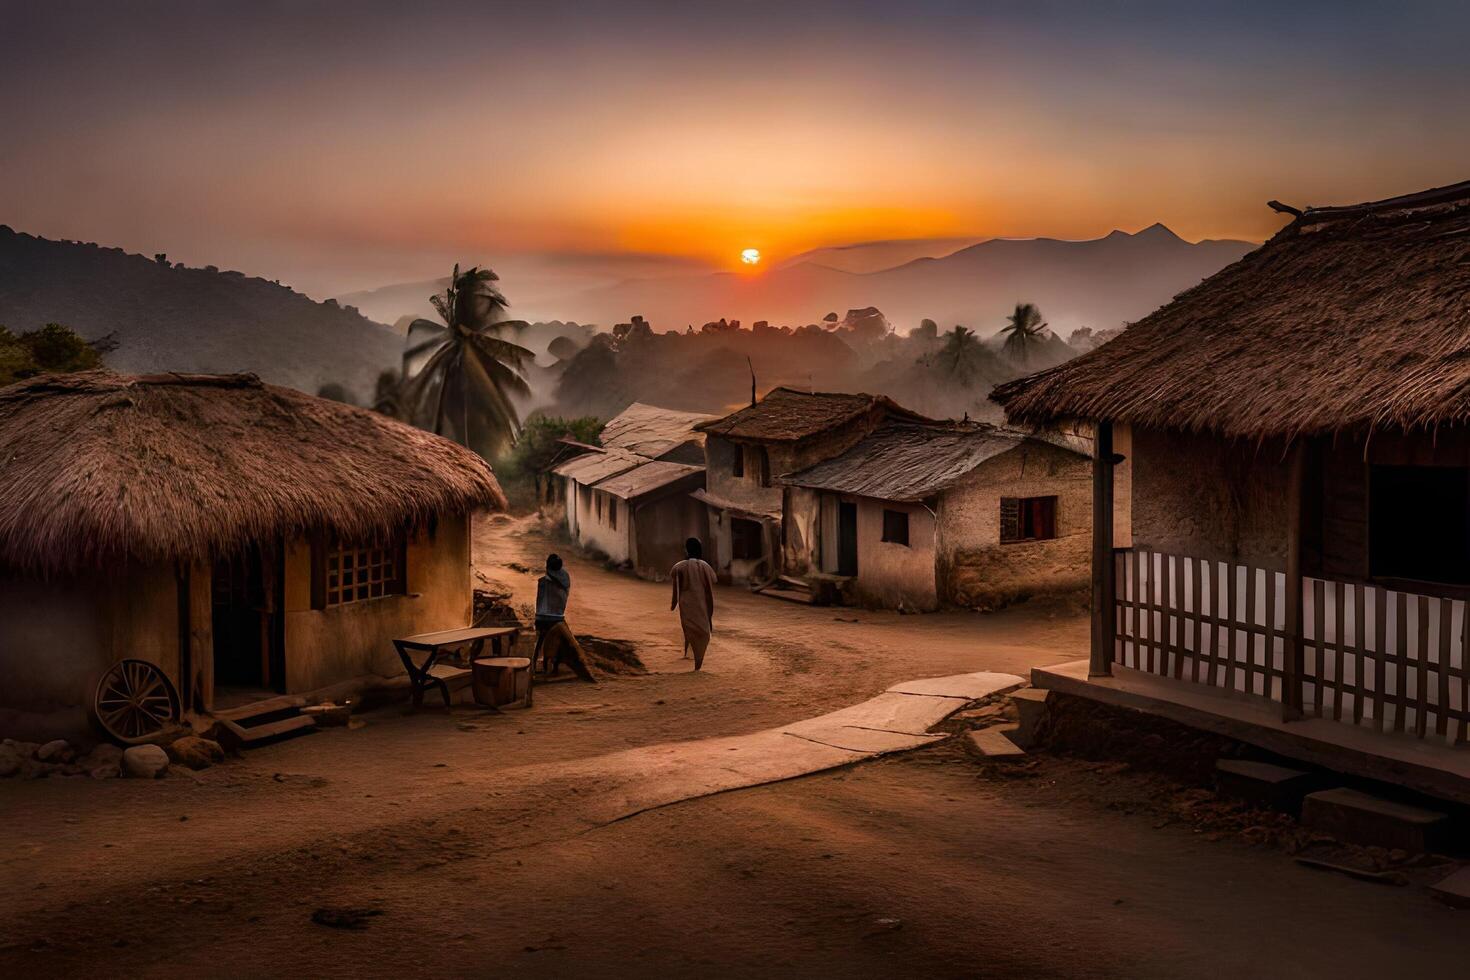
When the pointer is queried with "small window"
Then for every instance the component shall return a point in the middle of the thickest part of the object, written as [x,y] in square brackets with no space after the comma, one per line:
[1027,519]
[1419,523]
[896,527]
[597,498]
[352,573]
[737,465]
[763,466]
[612,512]
[745,539]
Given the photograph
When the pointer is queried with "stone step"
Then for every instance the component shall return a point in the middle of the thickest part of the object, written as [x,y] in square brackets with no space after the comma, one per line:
[789,595]
[251,736]
[1263,783]
[1359,818]
[1030,705]
[994,743]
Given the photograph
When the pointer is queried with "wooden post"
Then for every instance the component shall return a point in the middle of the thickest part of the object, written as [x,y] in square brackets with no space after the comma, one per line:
[1104,571]
[1291,695]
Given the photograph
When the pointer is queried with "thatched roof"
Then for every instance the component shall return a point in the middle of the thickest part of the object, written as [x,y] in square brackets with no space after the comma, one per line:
[789,414]
[907,461]
[1348,319]
[96,468]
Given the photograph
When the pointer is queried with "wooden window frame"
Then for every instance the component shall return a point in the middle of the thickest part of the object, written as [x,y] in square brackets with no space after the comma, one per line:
[892,534]
[347,573]
[1017,512]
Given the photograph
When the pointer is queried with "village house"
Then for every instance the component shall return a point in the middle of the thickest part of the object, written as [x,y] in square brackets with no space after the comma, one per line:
[745,454]
[630,498]
[176,545]
[917,514]
[1282,480]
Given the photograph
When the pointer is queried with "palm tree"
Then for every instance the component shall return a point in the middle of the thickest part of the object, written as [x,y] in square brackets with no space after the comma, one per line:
[961,358]
[1023,332]
[459,377]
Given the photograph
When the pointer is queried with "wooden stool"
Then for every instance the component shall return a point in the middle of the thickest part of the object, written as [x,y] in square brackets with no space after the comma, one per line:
[502,682]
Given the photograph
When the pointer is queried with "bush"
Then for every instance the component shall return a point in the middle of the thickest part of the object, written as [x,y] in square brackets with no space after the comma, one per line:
[536,450]
[52,349]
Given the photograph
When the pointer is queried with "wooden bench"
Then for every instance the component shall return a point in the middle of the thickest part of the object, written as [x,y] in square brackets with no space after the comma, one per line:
[431,673]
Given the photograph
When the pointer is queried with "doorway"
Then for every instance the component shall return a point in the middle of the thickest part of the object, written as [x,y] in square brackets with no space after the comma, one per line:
[245,599]
[847,541]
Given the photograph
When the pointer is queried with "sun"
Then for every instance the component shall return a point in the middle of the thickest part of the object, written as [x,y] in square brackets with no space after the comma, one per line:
[750,256]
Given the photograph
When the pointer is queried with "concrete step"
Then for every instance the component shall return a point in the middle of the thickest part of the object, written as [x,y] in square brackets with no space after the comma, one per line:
[1030,705]
[1454,890]
[1263,783]
[995,743]
[1358,818]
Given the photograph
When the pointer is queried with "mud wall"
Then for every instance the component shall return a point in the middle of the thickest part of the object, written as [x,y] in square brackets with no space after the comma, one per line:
[327,646]
[893,576]
[660,528]
[975,569]
[606,532]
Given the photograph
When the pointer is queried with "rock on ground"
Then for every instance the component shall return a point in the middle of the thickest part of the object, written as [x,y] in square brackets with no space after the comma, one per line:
[103,762]
[195,752]
[56,750]
[145,761]
[10,760]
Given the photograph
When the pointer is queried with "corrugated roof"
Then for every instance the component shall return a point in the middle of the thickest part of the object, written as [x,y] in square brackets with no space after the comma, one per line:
[652,431]
[908,461]
[592,467]
[1349,318]
[648,478]
[787,414]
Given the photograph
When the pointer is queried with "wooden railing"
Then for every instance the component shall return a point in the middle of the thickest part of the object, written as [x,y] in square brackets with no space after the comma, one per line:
[1370,655]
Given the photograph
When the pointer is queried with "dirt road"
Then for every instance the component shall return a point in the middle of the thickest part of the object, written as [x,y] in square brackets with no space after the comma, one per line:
[470,845]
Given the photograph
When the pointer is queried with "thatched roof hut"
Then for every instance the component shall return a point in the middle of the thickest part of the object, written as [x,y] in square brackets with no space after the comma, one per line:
[1348,319]
[789,414]
[96,467]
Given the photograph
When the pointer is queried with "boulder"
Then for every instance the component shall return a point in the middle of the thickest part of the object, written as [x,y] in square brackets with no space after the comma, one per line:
[10,760]
[195,752]
[103,762]
[56,750]
[145,761]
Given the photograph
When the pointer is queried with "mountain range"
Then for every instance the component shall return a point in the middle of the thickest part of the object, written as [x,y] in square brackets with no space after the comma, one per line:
[165,317]
[1101,283]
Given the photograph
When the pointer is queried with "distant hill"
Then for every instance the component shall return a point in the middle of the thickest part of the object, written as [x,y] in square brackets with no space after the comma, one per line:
[169,318]
[1100,283]
[865,257]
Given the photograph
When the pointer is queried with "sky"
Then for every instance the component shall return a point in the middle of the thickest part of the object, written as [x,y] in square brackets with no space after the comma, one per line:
[342,146]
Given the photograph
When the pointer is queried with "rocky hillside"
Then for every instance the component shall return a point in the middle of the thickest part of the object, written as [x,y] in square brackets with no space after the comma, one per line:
[170,318]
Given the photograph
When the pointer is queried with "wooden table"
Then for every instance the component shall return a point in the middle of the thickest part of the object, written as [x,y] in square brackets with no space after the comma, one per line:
[431,673]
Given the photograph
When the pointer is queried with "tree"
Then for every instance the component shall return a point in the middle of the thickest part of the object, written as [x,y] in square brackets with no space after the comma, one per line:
[460,377]
[961,359]
[53,349]
[1023,332]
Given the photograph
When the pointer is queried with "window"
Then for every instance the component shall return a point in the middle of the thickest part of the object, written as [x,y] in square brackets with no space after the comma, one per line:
[612,512]
[1027,519]
[1419,523]
[745,539]
[896,527]
[762,466]
[352,573]
[737,465]
[597,498]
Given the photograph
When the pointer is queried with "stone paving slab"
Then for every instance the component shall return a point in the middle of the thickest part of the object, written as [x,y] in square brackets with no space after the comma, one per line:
[968,687]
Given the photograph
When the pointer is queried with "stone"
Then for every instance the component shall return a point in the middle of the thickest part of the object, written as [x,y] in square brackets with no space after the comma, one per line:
[1030,705]
[57,751]
[993,743]
[10,760]
[195,752]
[1454,890]
[1262,783]
[1358,818]
[145,761]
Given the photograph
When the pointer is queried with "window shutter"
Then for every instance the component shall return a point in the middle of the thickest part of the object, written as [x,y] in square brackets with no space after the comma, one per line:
[1010,518]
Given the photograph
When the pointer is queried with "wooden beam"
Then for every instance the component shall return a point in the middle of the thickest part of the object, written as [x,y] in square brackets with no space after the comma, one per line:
[1291,696]
[1104,572]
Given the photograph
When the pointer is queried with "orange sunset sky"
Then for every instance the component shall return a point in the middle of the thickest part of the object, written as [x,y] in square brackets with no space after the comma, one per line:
[340,147]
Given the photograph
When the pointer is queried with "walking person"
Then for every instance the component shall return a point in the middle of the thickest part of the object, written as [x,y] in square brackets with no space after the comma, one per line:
[694,597]
[552,592]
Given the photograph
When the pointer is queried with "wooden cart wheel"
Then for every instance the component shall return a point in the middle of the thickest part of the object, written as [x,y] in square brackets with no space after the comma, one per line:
[134,700]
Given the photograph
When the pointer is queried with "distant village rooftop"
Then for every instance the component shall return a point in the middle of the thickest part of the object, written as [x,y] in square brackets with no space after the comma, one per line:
[908,461]
[97,467]
[1348,319]
[649,430]
[789,414]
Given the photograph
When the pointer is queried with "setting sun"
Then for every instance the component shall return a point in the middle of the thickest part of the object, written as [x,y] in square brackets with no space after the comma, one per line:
[750,256]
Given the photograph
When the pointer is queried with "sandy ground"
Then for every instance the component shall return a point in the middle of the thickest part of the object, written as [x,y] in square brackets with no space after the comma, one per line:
[473,845]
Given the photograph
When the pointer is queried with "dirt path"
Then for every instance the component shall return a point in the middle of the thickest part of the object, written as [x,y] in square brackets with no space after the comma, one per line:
[493,844]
